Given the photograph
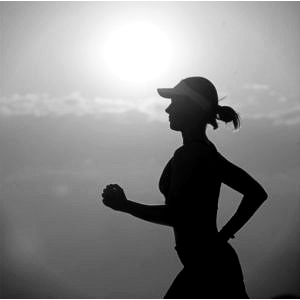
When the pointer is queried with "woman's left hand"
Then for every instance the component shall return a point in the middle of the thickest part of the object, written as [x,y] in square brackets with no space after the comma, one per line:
[114,197]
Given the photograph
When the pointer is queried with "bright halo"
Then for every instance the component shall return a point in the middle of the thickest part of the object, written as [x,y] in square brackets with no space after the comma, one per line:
[137,52]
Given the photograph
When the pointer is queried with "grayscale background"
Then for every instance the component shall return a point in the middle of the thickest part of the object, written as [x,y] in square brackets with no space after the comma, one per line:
[69,126]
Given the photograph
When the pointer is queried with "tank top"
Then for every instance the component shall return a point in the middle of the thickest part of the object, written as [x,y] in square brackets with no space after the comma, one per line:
[203,212]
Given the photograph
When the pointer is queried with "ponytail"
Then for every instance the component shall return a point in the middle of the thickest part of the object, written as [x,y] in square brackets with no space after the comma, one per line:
[226,114]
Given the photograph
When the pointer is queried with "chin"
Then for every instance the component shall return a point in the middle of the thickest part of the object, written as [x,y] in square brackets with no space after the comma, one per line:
[174,127]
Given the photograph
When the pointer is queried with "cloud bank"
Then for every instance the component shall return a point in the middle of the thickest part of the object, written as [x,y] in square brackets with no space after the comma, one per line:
[40,105]
[252,101]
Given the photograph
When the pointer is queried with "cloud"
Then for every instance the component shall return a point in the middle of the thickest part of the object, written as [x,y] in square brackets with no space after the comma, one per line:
[261,101]
[256,86]
[252,101]
[40,105]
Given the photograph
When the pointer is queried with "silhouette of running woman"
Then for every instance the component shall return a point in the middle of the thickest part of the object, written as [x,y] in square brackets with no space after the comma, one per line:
[191,184]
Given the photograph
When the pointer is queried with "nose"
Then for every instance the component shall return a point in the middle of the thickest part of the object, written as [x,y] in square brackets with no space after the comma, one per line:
[167,110]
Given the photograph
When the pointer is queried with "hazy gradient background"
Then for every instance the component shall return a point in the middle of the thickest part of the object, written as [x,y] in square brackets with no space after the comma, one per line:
[68,127]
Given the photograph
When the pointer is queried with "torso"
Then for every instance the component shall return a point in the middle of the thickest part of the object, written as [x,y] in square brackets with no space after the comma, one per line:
[195,210]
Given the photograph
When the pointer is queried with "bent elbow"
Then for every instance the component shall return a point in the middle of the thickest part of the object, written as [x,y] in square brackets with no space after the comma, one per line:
[258,193]
[261,194]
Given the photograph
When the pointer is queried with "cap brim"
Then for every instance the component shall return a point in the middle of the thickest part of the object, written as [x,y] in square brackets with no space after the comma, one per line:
[166,93]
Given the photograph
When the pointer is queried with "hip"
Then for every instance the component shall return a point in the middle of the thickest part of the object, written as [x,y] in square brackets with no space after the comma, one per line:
[208,254]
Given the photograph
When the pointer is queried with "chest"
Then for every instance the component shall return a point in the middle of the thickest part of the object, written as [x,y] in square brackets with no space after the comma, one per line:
[200,181]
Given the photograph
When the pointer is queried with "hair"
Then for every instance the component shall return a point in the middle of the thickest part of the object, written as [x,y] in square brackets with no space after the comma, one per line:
[209,91]
[226,114]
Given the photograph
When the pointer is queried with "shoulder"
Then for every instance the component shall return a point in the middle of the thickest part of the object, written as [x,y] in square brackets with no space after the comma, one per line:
[194,153]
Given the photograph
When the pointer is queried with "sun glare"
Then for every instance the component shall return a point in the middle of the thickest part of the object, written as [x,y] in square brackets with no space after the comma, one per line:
[137,52]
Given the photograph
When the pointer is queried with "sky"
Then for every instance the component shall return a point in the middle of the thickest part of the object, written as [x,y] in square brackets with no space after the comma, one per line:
[79,110]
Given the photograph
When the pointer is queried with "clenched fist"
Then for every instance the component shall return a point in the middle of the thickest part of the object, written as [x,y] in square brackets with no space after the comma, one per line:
[114,197]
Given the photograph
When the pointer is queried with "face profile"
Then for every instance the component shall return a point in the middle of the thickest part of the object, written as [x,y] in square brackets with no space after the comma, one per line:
[184,114]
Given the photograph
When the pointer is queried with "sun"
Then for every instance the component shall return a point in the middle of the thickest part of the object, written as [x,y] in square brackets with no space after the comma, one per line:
[137,52]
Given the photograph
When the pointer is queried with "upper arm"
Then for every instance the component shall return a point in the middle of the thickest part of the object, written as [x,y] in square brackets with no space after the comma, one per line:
[239,180]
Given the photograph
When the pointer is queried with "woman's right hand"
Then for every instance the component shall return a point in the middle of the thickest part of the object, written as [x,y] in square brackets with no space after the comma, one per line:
[114,197]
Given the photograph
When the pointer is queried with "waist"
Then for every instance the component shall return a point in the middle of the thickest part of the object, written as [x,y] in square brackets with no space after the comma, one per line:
[191,235]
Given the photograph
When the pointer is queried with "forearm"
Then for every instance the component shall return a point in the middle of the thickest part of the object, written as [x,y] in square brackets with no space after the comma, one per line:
[244,212]
[152,213]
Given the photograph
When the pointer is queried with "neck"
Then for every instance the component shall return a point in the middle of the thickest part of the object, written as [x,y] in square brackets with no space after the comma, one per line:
[194,135]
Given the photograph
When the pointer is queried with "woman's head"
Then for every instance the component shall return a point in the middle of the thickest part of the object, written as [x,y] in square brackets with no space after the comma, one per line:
[194,103]
[184,114]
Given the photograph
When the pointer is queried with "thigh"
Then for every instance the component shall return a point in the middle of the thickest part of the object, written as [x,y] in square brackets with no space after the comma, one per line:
[178,287]
[188,285]
[229,276]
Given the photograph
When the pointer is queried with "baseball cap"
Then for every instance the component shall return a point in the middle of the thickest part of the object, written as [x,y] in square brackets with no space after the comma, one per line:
[198,89]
